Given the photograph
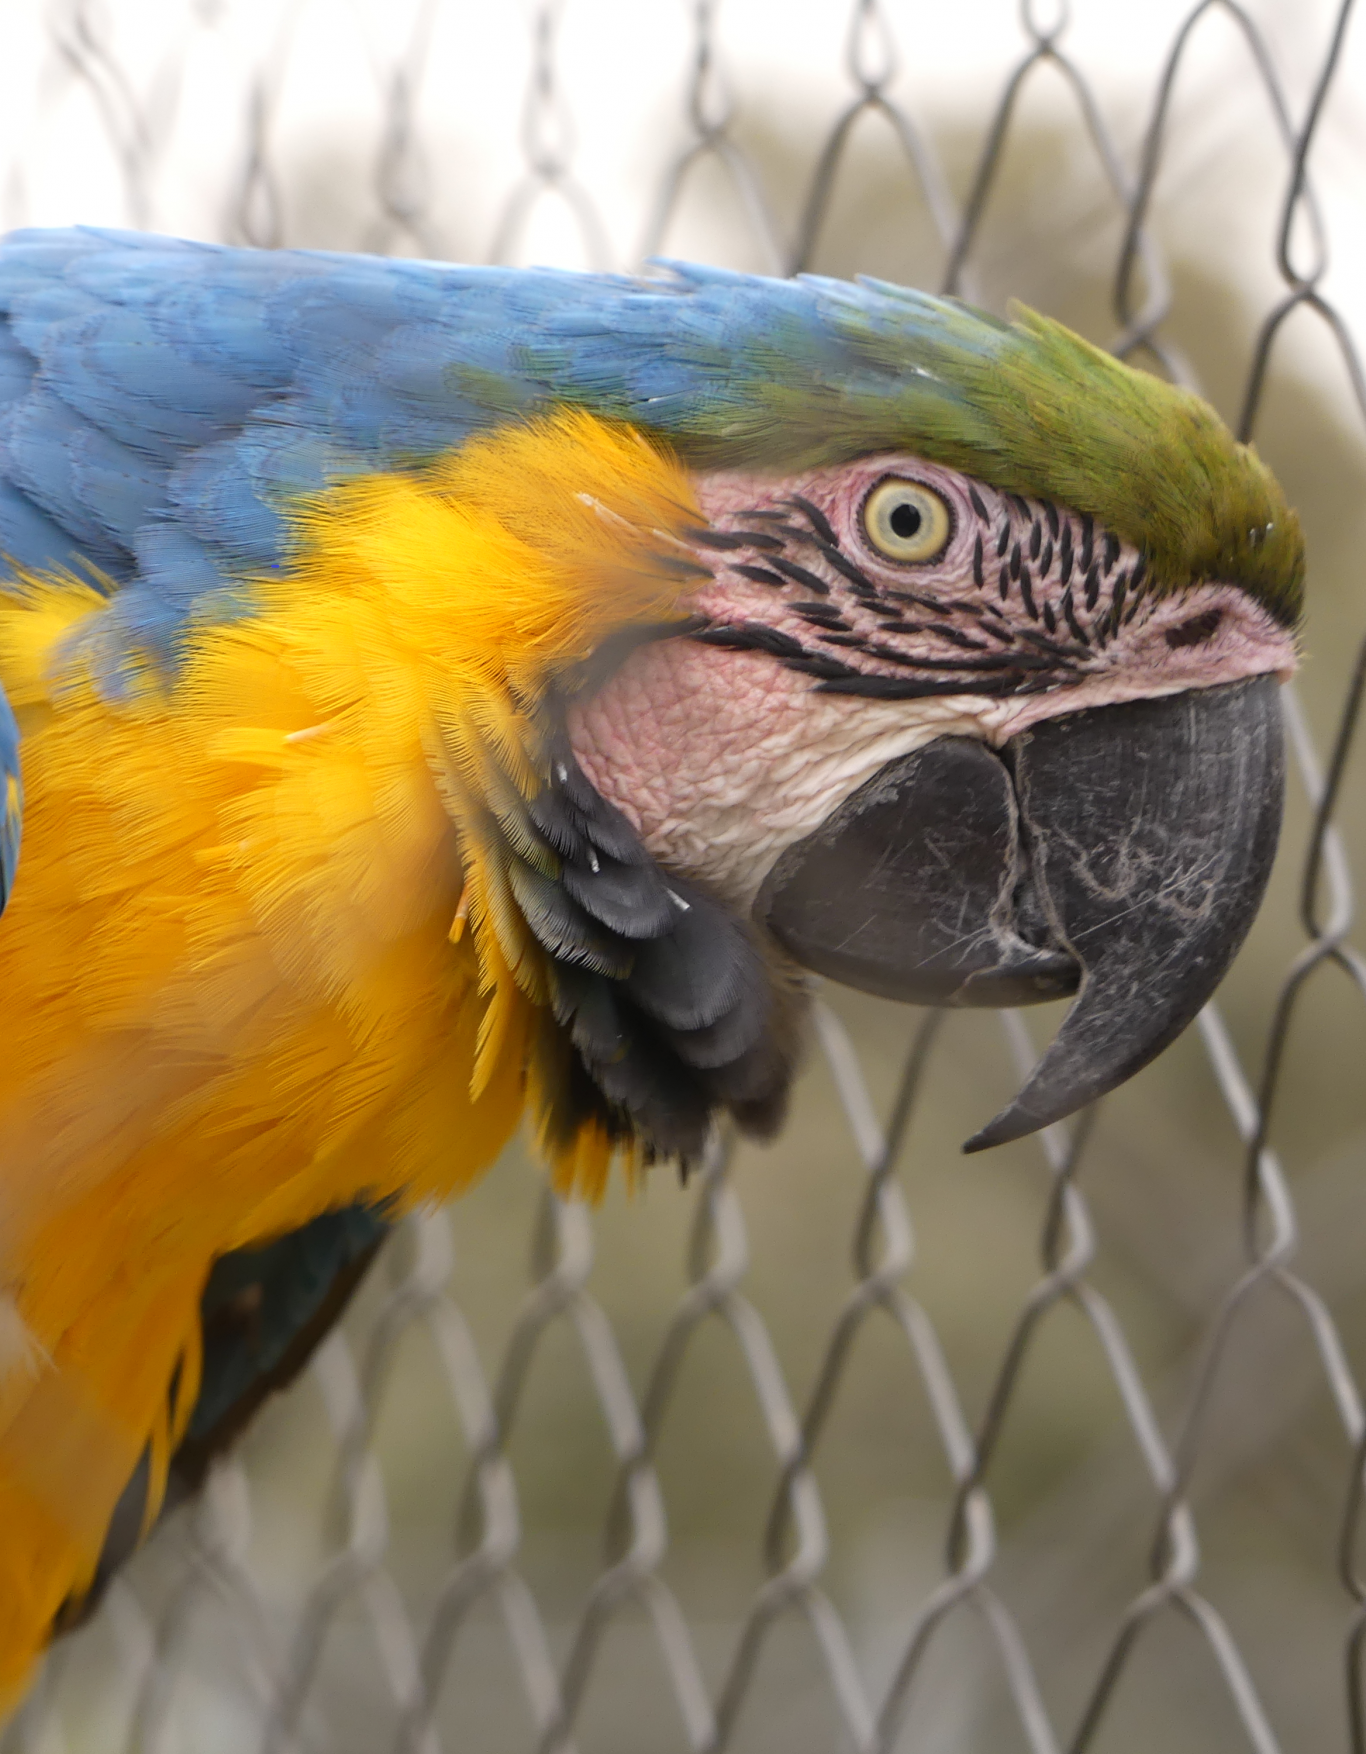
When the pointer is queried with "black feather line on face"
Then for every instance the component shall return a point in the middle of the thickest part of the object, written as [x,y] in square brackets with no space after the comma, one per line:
[820,616]
[752,636]
[816,518]
[863,585]
[1070,616]
[764,540]
[801,575]
[895,688]
[1027,593]
[760,575]
[722,541]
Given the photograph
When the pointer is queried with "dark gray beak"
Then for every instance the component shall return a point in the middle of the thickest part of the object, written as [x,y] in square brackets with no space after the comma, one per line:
[1119,853]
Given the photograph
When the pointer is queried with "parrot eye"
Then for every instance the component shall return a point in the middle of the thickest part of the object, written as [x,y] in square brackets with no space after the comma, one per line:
[907,521]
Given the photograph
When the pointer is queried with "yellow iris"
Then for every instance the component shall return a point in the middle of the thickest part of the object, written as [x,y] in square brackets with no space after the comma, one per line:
[907,521]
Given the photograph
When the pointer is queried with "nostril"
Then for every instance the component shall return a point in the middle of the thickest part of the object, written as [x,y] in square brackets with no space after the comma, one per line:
[1195,631]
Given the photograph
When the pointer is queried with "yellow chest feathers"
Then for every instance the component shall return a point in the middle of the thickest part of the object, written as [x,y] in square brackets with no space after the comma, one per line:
[229,951]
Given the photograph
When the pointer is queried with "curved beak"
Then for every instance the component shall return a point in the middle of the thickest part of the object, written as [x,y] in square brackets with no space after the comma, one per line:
[1120,853]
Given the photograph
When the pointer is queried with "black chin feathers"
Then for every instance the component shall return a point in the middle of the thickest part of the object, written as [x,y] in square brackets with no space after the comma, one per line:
[667,1006]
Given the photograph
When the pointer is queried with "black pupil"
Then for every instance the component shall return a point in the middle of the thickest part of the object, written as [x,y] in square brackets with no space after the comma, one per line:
[905,521]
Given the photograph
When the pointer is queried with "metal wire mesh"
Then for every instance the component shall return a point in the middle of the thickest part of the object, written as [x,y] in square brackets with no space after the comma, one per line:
[1086,1618]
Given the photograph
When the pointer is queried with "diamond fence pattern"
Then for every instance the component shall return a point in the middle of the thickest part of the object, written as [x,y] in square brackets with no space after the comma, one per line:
[207,1651]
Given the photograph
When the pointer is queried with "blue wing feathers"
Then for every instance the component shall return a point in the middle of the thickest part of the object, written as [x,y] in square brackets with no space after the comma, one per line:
[113,485]
[16,368]
[223,498]
[27,535]
[46,451]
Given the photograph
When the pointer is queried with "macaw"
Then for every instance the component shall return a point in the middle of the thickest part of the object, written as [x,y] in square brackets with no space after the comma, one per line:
[438,695]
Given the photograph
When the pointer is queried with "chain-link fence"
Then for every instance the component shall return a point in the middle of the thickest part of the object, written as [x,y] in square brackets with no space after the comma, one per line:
[1076,1463]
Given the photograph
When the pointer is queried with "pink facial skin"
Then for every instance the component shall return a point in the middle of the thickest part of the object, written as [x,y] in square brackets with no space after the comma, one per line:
[721,757]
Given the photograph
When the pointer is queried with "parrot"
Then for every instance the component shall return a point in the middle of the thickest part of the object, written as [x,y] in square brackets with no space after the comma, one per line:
[438,699]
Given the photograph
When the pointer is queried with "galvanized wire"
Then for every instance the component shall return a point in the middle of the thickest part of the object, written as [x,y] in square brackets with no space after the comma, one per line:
[276,1665]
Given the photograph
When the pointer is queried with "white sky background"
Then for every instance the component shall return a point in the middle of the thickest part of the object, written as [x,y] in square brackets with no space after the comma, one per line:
[170,82]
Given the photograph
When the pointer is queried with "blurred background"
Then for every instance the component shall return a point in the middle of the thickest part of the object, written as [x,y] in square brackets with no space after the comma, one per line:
[840,1447]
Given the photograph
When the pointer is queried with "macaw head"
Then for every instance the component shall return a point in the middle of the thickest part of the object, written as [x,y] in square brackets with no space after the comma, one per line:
[956,744]
[866,635]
